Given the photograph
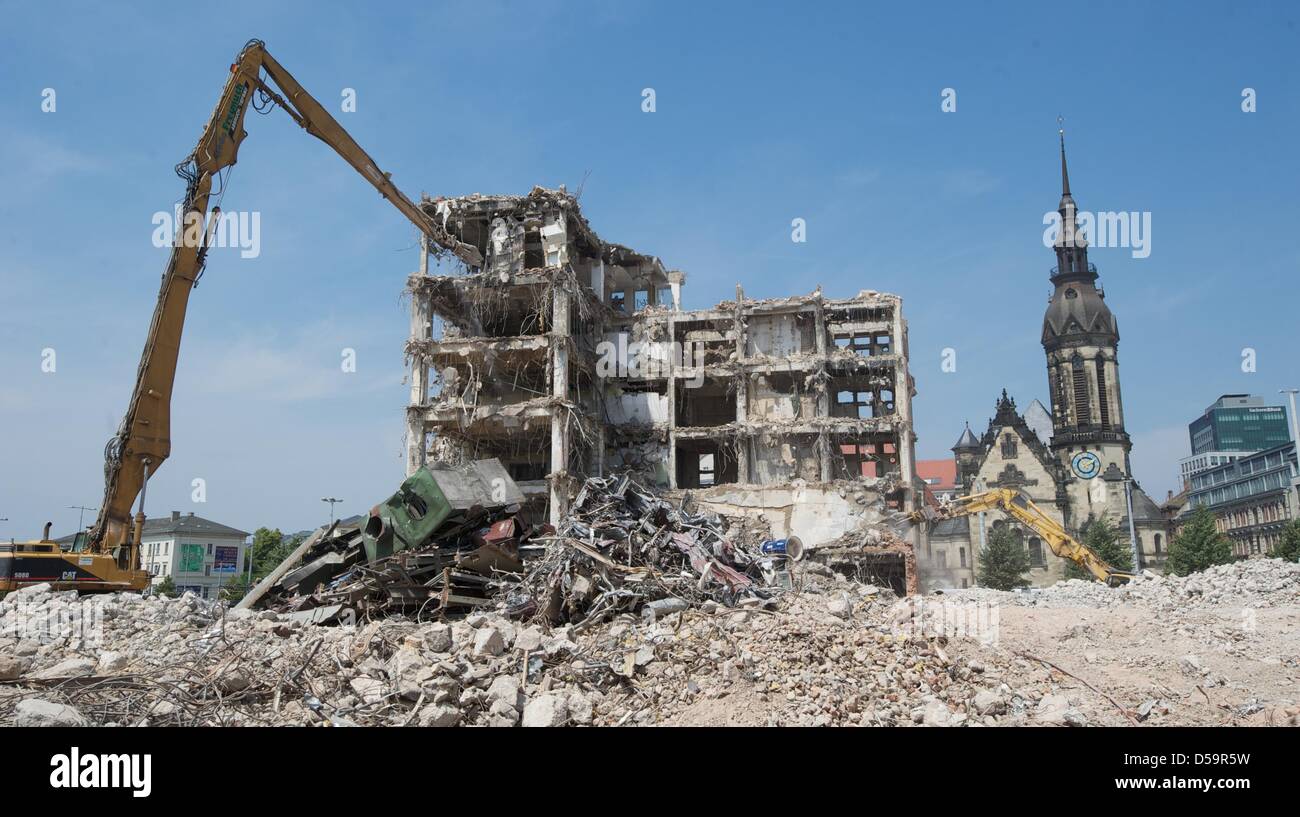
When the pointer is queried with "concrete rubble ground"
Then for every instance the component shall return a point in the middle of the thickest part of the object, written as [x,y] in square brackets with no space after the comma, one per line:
[829,651]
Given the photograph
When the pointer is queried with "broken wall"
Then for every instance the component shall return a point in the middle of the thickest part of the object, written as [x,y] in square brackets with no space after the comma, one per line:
[817,514]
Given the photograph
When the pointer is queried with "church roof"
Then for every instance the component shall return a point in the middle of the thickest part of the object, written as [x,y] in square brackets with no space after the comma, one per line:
[1144,508]
[1039,420]
[967,441]
[1008,417]
[1078,308]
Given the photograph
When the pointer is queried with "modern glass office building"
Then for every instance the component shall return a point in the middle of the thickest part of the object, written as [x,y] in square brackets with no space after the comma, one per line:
[1239,422]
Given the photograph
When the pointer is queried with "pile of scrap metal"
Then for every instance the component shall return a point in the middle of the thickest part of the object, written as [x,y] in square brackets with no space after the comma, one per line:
[621,548]
[446,540]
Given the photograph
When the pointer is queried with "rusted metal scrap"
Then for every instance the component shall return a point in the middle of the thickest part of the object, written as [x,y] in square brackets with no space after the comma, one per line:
[622,547]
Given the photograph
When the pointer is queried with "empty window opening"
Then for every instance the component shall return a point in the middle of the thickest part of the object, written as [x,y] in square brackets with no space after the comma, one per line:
[704,463]
[713,403]
[705,470]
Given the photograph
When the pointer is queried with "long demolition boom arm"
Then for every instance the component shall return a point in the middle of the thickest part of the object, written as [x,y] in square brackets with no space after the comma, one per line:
[1023,509]
[143,440]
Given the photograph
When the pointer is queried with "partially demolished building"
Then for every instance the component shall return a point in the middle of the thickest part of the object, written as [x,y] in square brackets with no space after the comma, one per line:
[566,356]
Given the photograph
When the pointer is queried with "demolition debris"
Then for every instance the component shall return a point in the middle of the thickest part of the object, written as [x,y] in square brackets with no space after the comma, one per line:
[832,651]
[451,540]
[622,548]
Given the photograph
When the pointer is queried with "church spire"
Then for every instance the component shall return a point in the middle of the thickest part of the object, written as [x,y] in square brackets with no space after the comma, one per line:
[1071,245]
[1065,173]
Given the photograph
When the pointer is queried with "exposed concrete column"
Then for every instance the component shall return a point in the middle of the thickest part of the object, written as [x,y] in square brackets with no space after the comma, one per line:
[675,280]
[742,391]
[672,408]
[421,329]
[559,346]
[906,440]
[742,418]
[819,320]
[824,456]
[903,409]
[819,330]
[825,452]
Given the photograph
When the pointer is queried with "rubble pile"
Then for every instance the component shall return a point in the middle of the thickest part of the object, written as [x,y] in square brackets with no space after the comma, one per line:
[1248,583]
[831,651]
[622,547]
[834,658]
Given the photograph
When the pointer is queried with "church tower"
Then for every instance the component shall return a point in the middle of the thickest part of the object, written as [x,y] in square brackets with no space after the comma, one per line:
[1081,339]
[967,452]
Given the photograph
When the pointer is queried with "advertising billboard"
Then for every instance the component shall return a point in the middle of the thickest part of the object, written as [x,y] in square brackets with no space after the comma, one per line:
[225,559]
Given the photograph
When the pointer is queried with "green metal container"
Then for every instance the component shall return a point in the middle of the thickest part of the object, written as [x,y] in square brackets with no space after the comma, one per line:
[407,519]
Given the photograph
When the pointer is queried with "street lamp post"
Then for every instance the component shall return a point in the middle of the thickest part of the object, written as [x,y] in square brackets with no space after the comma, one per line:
[1132,530]
[332,501]
[1295,424]
[81,517]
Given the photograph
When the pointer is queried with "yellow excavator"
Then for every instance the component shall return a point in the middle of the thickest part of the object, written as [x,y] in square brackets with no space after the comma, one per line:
[106,557]
[1021,508]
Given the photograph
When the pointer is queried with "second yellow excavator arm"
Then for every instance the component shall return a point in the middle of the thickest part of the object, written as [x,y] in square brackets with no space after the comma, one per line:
[1021,508]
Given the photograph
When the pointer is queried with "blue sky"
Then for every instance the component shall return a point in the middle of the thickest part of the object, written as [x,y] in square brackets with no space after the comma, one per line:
[765,112]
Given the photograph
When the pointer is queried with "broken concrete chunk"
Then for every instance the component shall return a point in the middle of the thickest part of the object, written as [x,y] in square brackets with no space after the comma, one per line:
[549,709]
[505,688]
[110,662]
[529,639]
[37,712]
[12,667]
[489,641]
[988,702]
[69,668]
[438,637]
[439,715]
[370,690]
[840,608]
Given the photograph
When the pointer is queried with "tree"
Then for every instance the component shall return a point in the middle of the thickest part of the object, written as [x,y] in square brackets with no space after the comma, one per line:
[266,541]
[1199,545]
[166,587]
[1103,539]
[1288,547]
[1003,561]
[270,548]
